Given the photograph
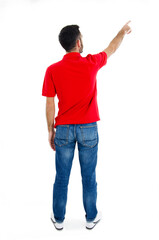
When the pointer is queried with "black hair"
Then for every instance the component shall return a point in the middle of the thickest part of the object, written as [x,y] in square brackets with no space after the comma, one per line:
[68,36]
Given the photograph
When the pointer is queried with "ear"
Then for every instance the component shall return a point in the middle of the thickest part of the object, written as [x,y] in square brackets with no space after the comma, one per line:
[79,43]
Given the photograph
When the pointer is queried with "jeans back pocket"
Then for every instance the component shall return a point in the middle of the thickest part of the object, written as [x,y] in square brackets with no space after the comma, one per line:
[61,135]
[89,135]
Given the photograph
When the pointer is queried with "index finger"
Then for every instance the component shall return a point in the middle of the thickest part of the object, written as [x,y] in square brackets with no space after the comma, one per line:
[128,22]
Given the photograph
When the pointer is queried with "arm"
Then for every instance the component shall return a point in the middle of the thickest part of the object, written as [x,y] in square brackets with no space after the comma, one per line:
[50,115]
[115,43]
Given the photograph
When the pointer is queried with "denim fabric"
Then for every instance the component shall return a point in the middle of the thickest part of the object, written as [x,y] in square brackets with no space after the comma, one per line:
[86,136]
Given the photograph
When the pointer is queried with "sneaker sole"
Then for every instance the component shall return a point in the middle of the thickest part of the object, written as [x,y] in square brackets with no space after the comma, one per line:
[95,223]
[55,226]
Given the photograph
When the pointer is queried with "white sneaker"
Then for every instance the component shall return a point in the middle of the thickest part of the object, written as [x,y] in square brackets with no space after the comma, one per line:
[90,225]
[58,226]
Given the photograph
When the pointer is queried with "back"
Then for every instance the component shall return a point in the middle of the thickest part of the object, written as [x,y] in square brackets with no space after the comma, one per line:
[73,79]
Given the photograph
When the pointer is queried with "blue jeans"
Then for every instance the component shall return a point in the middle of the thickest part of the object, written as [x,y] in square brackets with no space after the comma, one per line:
[65,139]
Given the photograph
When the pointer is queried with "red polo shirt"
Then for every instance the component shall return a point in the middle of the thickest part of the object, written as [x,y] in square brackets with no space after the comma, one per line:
[73,79]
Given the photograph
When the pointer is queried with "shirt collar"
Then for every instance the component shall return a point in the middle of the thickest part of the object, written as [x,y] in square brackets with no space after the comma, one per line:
[72,55]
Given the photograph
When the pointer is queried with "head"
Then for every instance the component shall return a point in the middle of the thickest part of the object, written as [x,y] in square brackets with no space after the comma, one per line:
[71,39]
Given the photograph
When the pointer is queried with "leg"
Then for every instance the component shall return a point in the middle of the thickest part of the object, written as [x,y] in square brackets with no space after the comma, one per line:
[64,156]
[88,147]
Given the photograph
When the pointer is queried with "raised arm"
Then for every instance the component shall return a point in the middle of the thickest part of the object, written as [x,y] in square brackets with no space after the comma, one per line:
[115,43]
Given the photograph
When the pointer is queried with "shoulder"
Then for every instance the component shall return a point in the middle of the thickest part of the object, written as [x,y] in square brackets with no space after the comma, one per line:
[52,67]
[96,56]
[98,59]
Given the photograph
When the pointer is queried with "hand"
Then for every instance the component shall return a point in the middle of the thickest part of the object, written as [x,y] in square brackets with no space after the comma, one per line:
[126,28]
[51,139]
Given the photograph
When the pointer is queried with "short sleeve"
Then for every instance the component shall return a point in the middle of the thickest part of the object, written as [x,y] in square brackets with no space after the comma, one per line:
[99,59]
[48,89]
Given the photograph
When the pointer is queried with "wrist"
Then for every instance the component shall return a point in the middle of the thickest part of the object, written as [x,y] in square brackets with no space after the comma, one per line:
[51,128]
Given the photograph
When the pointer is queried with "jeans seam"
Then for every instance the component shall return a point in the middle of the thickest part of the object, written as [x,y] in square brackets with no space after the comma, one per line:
[63,125]
[87,126]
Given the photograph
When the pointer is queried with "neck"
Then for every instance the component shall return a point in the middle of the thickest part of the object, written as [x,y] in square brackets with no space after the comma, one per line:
[72,51]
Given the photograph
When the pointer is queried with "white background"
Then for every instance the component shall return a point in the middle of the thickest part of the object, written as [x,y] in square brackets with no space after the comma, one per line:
[128,100]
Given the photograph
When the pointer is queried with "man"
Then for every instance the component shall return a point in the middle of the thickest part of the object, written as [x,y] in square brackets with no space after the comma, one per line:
[73,79]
